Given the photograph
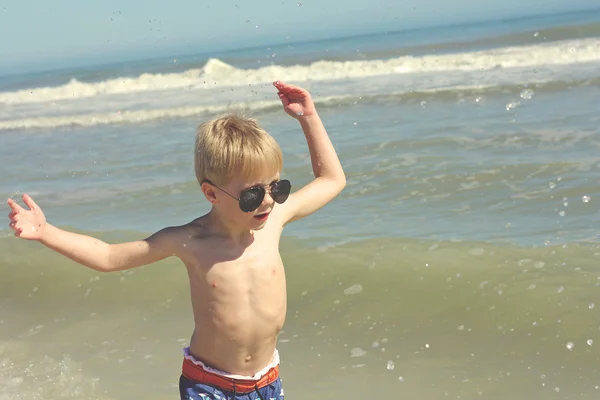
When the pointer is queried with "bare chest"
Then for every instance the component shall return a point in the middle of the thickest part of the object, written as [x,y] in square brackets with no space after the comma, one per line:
[226,271]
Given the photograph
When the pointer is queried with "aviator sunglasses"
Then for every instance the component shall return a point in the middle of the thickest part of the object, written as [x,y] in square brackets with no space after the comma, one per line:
[250,199]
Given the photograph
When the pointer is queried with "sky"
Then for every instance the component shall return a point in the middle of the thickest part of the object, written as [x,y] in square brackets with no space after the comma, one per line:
[44,34]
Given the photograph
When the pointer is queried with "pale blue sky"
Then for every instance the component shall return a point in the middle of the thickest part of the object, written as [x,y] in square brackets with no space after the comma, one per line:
[62,32]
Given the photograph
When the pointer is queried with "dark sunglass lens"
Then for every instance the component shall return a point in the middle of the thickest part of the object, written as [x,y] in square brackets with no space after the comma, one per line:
[250,199]
[281,190]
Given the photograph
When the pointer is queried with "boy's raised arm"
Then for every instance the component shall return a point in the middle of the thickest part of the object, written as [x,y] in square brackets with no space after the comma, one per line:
[330,179]
[93,253]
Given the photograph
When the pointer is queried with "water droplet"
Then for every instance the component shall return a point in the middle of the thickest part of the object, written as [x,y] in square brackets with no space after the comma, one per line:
[570,346]
[248,21]
[591,306]
[375,344]
[565,202]
[300,114]
[552,185]
[354,289]
[526,94]
[536,34]
[356,123]
[511,105]
[401,379]
[557,389]
[562,213]
[461,328]
[586,199]
[561,289]
[532,286]
[357,352]
[477,251]
[390,365]
[299,4]
[590,342]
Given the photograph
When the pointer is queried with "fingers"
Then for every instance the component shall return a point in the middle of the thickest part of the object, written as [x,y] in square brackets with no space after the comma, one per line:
[14,206]
[14,227]
[284,99]
[14,217]
[29,202]
[288,89]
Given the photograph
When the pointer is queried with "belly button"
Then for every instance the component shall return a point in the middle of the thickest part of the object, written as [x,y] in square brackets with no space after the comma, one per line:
[248,358]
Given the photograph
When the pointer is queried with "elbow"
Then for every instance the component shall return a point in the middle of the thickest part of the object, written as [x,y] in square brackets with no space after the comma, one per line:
[341,182]
[337,184]
[107,263]
[100,267]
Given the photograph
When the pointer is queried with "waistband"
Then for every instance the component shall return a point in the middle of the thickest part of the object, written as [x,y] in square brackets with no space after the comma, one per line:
[199,372]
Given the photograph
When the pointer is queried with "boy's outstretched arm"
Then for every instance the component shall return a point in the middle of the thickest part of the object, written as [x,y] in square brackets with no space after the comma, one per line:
[30,223]
[330,179]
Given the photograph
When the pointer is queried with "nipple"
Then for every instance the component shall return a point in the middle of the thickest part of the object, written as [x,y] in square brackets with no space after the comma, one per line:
[214,284]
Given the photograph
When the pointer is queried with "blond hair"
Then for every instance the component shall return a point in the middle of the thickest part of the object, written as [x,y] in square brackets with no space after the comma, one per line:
[234,145]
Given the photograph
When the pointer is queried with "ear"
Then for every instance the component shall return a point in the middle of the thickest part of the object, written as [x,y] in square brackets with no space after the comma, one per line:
[210,193]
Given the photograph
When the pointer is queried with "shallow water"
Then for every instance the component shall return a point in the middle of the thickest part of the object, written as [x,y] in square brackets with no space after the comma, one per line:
[461,261]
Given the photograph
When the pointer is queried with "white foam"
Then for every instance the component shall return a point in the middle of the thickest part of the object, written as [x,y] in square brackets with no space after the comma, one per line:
[219,74]
[25,374]
[138,116]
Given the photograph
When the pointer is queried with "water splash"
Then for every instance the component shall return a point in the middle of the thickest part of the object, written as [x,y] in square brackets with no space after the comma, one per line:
[357,352]
[354,289]
[526,94]
[570,346]
[512,105]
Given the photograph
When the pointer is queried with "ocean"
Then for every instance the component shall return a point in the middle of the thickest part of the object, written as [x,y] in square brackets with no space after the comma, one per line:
[460,262]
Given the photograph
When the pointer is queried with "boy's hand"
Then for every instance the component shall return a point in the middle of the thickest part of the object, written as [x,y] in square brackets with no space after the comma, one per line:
[27,224]
[296,101]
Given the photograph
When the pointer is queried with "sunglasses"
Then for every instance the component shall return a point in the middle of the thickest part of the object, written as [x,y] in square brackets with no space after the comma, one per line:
[250,199]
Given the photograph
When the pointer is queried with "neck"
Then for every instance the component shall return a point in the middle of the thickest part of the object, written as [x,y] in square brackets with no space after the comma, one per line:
[223,226]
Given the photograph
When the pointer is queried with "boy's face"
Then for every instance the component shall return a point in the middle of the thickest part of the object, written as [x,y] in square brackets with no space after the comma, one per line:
[256,219]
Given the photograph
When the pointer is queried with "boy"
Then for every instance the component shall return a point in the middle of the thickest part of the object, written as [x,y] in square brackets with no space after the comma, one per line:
[236,275]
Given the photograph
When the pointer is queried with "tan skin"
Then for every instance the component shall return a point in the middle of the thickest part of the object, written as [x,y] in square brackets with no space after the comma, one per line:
[236,275]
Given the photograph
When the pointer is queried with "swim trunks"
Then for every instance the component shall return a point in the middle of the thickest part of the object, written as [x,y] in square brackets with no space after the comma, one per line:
[200,381]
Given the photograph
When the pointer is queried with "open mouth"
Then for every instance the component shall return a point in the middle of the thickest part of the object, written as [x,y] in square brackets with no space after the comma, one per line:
[262,217]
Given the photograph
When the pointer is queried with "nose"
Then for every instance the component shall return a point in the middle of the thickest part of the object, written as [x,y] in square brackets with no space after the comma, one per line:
[268,199]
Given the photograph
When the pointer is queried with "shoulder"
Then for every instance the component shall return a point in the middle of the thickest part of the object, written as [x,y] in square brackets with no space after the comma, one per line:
[175,237]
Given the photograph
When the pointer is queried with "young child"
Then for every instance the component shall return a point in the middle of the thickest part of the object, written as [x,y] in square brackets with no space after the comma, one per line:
[236,274]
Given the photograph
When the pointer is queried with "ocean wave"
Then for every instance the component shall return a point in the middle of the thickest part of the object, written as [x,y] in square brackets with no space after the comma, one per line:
[217,73]
[456,93]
